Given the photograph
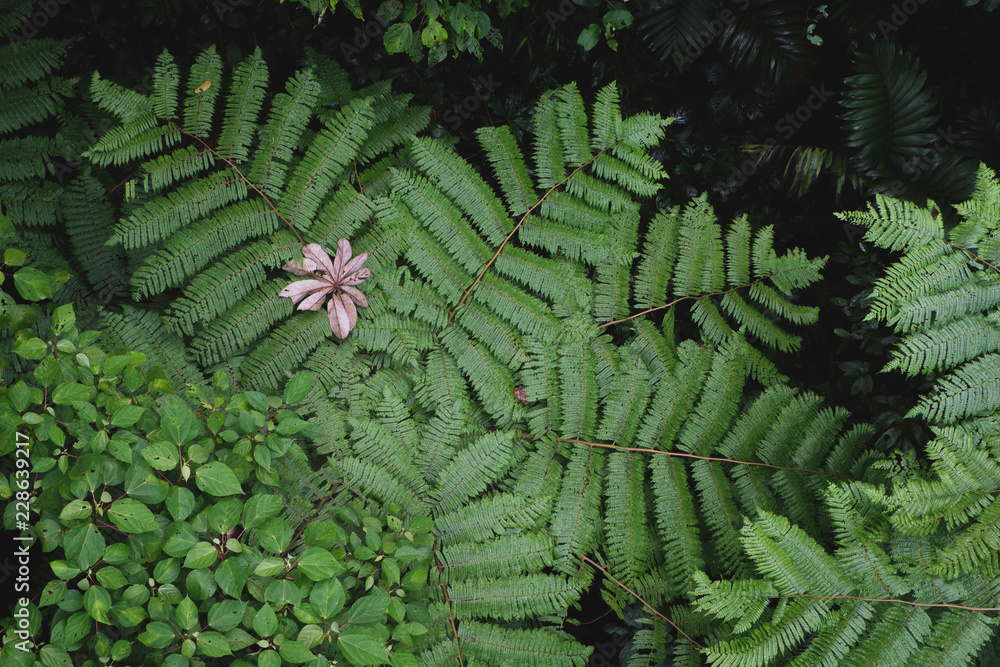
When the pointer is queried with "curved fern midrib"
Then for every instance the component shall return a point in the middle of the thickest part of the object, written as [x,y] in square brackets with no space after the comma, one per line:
[517,226]
[357,118]
[159,270]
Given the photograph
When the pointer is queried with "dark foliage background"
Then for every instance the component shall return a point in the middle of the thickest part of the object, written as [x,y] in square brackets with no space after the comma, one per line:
[735,74]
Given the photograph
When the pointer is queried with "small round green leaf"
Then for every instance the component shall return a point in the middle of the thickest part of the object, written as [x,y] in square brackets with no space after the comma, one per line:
[361,647]
[201,555]
[217,479]
[265,622]
[34,285]
[97,602]
[131,516]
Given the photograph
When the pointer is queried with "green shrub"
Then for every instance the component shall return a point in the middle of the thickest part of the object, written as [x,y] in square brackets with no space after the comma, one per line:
[161,514]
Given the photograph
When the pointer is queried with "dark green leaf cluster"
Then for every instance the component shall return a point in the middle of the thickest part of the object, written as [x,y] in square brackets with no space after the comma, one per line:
[162,517]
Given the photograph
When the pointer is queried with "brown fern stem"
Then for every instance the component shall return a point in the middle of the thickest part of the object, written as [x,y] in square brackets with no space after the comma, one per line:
[517,227]
[447,602]
[639,598]
[247,180]
[695,456]
[910,603]
[676,301]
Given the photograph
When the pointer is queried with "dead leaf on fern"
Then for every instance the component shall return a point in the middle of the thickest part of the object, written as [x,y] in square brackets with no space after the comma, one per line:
[336,279]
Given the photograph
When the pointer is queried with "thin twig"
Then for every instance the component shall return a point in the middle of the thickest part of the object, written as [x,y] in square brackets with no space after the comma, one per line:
[695,456]
[251,185]
[639,598]
[676,301]
[892,600]
[518,226]
[447,601]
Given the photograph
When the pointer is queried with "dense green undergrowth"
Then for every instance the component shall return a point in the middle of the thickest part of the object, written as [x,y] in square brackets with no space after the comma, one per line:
[552,382]
[160,512]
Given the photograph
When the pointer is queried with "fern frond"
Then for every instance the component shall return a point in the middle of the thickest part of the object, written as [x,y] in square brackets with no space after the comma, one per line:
[792,559]
[771,640]
[625,405]
[127,104]
[840,630]
[956,639]
[509,168]
[528,647]
[166,78]
[30,61]
[490,517]
[579,390]
[464,187]
[675,397]
[946,346]
[626,541]
[574,522]
[161,217]
[370,481]
[134,140]
[143,331]
[438,215]
[514,598]
[374,441]
[242,325]
[506,556]
[562,283]
[492,381]
[473,469]
[180,165]
[891,639]
[325,162]
[285,348]
[720,401]
[657,262]
[286,122]
[89,221]
[24,158]
[199,244]
[221,286]
[243,104]
[972,389]
[199,103]
[550,167]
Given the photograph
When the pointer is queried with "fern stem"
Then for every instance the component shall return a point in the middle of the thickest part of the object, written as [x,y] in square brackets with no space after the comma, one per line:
[518,226]
[910,603]
[676,301]
[447,602]
[248,182]
[695,456]
[639,598]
